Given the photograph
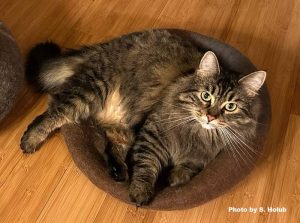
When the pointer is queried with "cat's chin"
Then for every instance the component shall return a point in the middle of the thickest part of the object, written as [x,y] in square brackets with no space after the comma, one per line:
[208,126]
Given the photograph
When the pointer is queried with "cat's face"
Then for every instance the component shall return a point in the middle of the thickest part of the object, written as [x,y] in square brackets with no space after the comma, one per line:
[218,100]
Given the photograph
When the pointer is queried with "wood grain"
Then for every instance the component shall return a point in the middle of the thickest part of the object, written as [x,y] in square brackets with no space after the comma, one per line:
[47,187]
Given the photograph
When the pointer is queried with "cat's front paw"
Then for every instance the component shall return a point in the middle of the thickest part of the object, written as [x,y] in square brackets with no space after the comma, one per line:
[178,177]
[29,144]
[140,194]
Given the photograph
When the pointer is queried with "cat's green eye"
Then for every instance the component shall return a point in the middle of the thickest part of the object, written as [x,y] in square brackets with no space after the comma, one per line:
[230,106]
[206,96]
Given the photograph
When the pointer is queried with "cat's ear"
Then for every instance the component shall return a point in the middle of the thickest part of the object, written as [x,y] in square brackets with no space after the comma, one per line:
[253,82]
[209,65]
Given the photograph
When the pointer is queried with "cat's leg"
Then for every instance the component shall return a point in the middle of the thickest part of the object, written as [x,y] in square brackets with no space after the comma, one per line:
[181,173]
[149,157]
[121,140]
[146,169]
[57,115]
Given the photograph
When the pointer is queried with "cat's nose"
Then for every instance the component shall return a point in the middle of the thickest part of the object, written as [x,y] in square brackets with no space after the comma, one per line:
[210,117]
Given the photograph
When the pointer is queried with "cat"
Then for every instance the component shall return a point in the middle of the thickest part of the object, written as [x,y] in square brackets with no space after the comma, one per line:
[199,115]
[113,83]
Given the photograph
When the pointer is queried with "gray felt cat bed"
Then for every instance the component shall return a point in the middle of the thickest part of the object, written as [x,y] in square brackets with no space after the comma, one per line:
[219,176]
[11,71]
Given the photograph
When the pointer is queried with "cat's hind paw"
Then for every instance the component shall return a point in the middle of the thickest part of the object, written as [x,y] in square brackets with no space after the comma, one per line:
[29,144]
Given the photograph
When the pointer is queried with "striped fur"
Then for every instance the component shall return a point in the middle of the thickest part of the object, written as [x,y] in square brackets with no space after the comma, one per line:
[179,135]
[116,84]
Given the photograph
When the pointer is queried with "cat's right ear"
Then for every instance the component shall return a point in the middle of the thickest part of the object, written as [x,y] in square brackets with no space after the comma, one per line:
[209,65]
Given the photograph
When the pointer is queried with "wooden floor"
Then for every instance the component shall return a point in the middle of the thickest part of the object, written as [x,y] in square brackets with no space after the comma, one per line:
[47,186]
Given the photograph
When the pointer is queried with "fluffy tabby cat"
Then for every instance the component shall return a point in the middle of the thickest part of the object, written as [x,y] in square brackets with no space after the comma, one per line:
[114,83]
[198,116]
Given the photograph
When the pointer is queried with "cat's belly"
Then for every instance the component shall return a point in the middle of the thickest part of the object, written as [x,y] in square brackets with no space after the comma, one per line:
[120,109]
[114,110]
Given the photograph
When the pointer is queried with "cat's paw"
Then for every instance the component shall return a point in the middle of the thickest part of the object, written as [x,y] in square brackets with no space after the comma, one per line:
[179,177]
[29,144]
[140,194]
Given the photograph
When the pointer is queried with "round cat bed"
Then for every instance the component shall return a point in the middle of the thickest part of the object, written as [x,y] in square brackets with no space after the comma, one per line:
[11,71]
[219,176]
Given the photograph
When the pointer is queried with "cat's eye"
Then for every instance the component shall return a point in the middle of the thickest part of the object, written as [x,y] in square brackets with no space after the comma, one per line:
[230,106]
[206,96]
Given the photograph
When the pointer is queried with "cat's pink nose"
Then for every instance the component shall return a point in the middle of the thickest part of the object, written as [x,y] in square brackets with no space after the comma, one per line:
[210,117]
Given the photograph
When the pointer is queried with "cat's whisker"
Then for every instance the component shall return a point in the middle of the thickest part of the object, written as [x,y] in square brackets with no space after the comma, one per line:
[185,121]
[250,161]
[170,118]
[241,138]
[236,134]
[180,123]
[240,148]
[223,136]
[236,146]
[176,120]
[235,139]
[230,147]
[232,153]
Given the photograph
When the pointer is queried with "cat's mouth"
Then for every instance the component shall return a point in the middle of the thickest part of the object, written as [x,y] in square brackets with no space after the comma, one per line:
[206,124]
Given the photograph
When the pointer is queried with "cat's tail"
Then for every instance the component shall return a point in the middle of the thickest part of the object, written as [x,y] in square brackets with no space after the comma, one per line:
[39,56]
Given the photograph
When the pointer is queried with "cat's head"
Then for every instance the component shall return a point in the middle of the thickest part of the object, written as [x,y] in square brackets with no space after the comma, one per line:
[217,98]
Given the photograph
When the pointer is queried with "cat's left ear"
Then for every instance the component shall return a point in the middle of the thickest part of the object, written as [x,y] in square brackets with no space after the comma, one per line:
[253,82]
[209,65]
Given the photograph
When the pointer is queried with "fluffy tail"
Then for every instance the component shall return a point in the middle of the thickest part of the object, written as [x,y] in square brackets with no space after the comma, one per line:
[36,58]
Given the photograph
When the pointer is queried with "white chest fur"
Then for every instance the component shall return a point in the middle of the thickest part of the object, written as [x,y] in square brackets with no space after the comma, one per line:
[114,110]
